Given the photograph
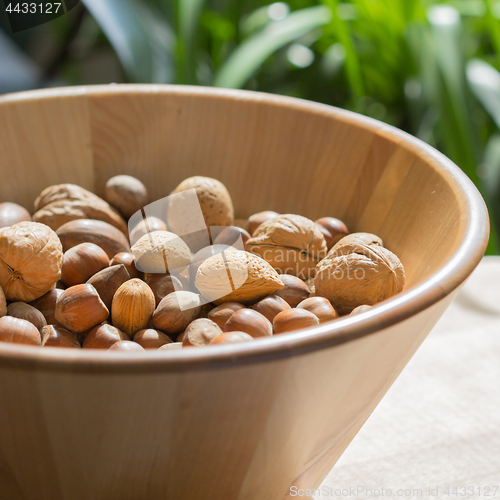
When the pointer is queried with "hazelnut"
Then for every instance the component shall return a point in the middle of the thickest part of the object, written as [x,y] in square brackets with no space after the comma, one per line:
[151,339]
[18,331]
[231,236]
[361,309]
[57,336]
[3,303]
[30,260]
[79,308]
[103,336]
[222,313]
[236,276]
[271,306]
[231,338]
[104,235]
[176,311]
[292,244]
[200,332]
[162,285]
[320,307]
[249,321]
[173,346]
[147,225]
[128,260]
[81,262]
[12,213]
[133,305]
[335,229]
[255,220]
[127,194]
[294,319]
[29,313]
[180,337]
[46,304]
[126,345]
[295,290]
[107,282]
[161,251]
[357,274]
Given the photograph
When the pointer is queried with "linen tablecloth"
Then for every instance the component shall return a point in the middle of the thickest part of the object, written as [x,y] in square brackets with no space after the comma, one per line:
[436,434]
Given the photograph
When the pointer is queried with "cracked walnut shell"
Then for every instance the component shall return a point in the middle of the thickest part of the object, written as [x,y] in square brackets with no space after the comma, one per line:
[292,244]
[361,274]
[30,260]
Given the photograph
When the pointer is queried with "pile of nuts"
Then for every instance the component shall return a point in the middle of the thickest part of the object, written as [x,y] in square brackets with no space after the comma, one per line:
[75,274]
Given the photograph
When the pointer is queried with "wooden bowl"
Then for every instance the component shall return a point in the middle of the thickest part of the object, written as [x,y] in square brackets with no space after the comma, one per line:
[239,421]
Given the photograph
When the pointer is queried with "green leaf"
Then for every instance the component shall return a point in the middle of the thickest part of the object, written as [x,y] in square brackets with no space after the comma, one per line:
[140,38]
[484,81]
[189,12]
[246,59]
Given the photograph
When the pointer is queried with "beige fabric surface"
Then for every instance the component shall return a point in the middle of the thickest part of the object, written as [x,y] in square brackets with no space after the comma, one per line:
[438,427]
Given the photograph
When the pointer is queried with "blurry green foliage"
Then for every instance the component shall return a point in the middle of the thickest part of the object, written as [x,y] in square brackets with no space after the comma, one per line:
[428,67]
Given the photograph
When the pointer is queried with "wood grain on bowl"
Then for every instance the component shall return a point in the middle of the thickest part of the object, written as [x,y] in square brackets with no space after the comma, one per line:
[232,421]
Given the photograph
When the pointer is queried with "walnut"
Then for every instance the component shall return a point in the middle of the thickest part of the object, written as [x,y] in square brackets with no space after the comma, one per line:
[359,274]
[62,203]
[292,244]
[236,276]
[361,238]
[30,260]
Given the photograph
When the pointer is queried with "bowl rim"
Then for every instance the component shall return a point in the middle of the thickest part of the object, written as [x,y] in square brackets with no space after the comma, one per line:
[390,312]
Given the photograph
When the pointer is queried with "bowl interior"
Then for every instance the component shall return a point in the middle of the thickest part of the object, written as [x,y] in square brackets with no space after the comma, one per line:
[272,153]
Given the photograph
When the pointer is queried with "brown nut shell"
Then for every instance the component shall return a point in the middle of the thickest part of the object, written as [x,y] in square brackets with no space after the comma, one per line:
[236,276]
[231,338]
[107,282]
[29,313]
[163,285]
[108,237]
[222,313]
[294,291]
[126,193]
[361,309]
[46,304]
[150,338]
[133,305]
[126,345]
[128,260]
[57,336]
[19,331]
[173,346]
[232,235]
[176,311]
[335,228]
[147,225]
[360,274]
[294,319]
[271,306]
[81,262]
[103,336]
[12,213]
[30,260]
[251,322]
[161,251]
[255,220]
[355,238]
[292,244]
[79,308]
[200,333]
[63,203]
[320,307]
